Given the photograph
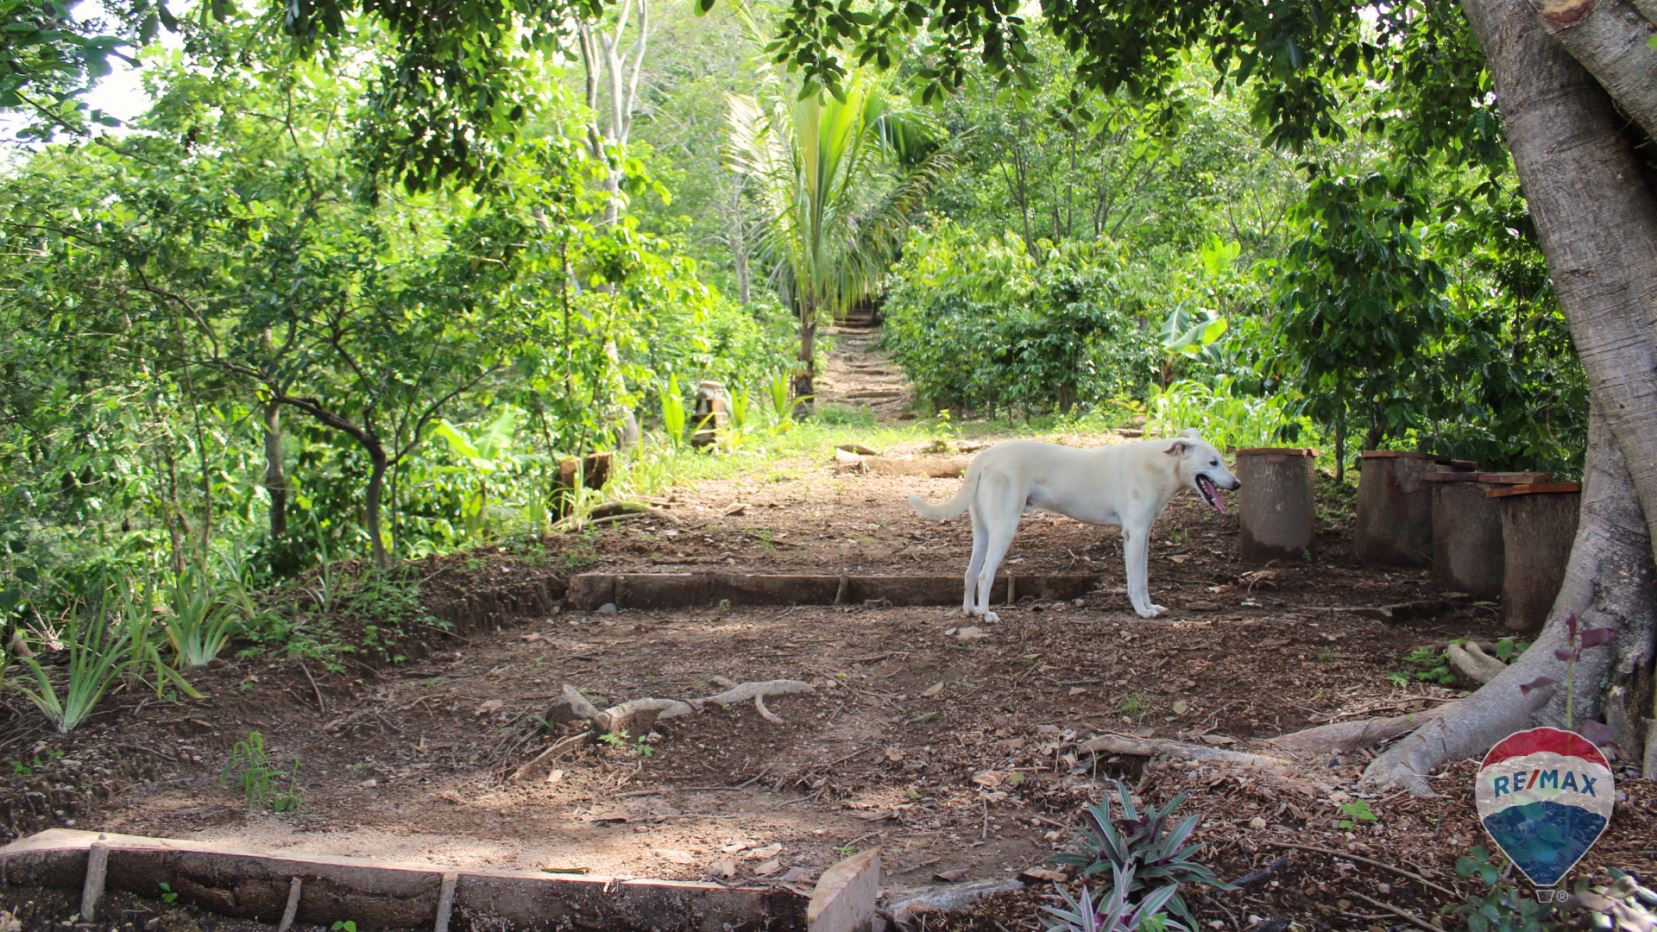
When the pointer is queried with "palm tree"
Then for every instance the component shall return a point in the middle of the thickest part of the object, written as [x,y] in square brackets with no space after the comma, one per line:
[838,179]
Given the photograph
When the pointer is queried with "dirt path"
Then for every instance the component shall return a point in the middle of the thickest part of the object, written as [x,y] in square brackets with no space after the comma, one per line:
[859,374]
[956,753]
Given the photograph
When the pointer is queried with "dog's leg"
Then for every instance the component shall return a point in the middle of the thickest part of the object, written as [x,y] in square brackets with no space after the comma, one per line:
[979,538]
[1002,508]
[1136,544]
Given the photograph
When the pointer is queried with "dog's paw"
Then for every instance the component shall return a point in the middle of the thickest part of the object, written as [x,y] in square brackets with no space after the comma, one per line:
[991,617]
[1150,611]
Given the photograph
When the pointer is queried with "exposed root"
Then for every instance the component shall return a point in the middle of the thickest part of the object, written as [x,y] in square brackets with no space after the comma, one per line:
[758,689]
[912,909]
[1471,661]
[638,716]
[767,714]
[1345,737]
[1161,747]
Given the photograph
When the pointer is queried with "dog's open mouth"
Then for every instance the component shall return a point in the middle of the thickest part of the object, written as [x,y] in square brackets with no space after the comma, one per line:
[1210,493]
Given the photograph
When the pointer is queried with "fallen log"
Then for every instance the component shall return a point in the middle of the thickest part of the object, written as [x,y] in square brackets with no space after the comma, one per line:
[1162,747]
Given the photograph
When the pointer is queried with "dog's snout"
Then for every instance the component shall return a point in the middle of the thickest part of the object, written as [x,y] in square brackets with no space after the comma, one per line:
[1236,484]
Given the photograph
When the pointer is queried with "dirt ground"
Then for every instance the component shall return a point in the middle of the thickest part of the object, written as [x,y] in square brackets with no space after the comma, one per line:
[956,756]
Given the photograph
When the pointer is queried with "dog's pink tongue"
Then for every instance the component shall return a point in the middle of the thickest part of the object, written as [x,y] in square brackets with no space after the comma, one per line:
[1219,502]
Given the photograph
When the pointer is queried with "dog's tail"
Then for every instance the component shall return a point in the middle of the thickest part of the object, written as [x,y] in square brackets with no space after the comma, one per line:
[953,508]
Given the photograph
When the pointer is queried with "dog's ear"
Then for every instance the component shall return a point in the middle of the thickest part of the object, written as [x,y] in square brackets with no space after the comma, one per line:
[1178,448]
[1191,433]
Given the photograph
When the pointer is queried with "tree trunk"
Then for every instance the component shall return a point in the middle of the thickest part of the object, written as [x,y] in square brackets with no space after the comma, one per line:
[805,377]
[1610,583]
[371,510]
[1597,222]
[276,477]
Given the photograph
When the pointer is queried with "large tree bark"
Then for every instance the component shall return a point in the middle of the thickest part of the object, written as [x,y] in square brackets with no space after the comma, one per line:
[1597,221]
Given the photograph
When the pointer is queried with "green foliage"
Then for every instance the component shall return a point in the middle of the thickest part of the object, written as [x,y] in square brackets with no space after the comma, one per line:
[263,785]
[1147,858]
[1357,812]
[1227,418]
[1361,307]
[199,622]
[99,655]
[1426,665]
[1113,911]
[1501,907]
[977,323]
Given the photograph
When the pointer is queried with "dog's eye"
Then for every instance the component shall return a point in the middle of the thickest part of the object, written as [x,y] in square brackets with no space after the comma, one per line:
[1214,463]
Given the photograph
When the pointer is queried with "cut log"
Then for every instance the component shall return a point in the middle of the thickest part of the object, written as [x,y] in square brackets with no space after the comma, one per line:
[1276,504]
[1538,528]
[256,885]
[588,591]
[845,896]
[1395,508]
[710,414]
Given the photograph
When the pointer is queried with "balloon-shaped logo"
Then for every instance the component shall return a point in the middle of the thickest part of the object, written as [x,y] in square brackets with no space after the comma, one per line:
[1544,795]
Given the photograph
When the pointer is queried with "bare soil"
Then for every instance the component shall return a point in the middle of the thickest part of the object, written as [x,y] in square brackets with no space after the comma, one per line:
[957,756]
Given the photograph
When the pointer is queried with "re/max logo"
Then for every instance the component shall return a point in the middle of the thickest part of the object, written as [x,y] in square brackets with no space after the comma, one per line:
[1543,779]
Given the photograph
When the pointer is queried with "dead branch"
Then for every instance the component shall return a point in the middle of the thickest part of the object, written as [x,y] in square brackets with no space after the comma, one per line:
[1161,747]
[547,756]
[1471,661]
[1343,737]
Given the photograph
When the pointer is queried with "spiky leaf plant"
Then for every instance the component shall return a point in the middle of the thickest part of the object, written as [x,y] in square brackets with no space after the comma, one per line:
[1143,849]
[1114,911]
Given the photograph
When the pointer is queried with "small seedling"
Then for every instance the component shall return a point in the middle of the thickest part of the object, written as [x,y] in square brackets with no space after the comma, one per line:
[168,894]
[1135,706]
[344,925]
[1324,656]
[264,786]
[1357,813]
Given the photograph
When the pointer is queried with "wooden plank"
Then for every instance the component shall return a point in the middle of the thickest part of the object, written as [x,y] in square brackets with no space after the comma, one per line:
[92,890]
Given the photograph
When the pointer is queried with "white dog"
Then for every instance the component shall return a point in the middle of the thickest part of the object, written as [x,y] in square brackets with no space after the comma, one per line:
[1127,485]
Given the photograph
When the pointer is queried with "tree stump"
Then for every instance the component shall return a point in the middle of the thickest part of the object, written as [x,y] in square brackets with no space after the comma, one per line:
[1467,529]
[1395,507]
[710,415]
[1276,504]
[1538,528]
[592,471]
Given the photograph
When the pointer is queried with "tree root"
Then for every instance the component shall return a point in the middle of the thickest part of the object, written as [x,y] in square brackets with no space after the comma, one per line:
[638,716]
[1345,737]
[1471,661]
[1161,747]
[913,908]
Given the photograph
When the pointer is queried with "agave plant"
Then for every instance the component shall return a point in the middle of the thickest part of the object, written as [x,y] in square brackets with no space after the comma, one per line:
[1142,853]
[1115,911]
